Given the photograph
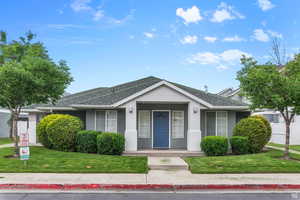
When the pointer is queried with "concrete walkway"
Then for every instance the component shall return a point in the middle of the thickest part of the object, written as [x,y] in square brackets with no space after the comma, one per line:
[167,163]
[282,149]
[153,177]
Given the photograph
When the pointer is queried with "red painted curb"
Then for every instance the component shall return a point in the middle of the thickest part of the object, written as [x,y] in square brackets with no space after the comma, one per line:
[146,187]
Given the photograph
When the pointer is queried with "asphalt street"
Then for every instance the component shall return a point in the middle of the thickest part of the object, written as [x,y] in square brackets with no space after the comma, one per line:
[149,196]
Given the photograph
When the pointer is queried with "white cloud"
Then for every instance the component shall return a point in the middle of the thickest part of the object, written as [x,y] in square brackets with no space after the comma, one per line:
[190,15]
[275,34]
[265,4]
[235,38]
[261,35]
[80,5]
[189,39]
[210,39]
[222,60]
[149,35]
[99,14]
[225,12]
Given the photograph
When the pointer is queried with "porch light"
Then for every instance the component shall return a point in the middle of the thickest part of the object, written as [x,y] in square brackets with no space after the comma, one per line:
[195,109]
[130,109]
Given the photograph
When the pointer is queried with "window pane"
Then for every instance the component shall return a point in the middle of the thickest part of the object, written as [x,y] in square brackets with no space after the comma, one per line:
[144,124]
[178,124]
[111,121]
[210,123]
[222,124]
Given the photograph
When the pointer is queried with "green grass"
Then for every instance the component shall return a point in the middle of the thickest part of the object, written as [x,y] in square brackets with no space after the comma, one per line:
[5,141]
[268,162]
[293,147]
[49,161]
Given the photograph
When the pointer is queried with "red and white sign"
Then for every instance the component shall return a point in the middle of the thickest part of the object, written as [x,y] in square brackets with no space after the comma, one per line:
[24,139]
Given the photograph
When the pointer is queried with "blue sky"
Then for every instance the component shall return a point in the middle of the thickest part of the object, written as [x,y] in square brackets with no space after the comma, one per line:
[193,42]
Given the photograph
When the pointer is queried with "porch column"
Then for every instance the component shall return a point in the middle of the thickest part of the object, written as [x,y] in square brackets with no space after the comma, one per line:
[32,121]
[194,131]
[131,128]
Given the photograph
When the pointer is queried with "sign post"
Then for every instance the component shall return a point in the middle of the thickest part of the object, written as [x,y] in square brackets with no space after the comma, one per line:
[24,147]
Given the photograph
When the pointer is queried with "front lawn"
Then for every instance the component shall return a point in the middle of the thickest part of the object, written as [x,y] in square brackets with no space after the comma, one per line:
[49,161]
[268,162]
[5,141]
[293,147]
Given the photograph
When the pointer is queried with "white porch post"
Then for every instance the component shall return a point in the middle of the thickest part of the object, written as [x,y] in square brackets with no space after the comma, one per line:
[131,128]
[194,131]
[32,120]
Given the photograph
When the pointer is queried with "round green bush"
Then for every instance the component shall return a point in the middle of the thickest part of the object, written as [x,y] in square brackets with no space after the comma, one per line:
[239,145]
[62,132]
[86,141]
[110,144]
[41,130]
[267,124]
[256,132]
[214,145]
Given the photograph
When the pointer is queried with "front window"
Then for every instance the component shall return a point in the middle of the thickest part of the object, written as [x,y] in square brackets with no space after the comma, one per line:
[216,123]
[111,121]
[178,124]
[144,124]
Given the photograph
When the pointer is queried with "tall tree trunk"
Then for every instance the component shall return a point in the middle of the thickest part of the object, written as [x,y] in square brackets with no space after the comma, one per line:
[287,140]
[15,116]
[10,123]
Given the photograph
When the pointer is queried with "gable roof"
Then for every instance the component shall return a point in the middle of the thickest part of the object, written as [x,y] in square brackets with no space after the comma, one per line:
[109,96]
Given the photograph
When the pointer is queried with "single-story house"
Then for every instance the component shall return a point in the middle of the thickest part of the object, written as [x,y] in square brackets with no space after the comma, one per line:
[151,113]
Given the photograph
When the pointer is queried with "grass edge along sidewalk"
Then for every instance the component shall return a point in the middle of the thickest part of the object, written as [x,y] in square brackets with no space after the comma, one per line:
[266,162]
[43,160]
[5,141]
[292,147]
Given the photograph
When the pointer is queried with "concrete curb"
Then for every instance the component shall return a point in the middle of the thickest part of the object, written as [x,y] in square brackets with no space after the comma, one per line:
[159,187]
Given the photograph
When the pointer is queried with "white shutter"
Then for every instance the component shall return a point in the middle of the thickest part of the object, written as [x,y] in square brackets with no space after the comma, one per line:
[111,121]
[144,124]
[177,124]
[222,123]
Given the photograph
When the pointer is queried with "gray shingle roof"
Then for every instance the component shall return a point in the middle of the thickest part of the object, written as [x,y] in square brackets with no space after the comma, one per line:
[111,95]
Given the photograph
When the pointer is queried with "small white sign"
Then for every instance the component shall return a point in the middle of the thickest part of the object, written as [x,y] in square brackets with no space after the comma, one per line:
[24,139]
[24,153]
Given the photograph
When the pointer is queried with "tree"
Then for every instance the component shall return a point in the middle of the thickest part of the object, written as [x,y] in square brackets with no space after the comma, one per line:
[28,76]
[268,87]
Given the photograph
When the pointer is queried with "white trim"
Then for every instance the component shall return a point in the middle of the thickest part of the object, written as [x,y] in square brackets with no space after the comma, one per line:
[148,89]
[139,120]
[181,111]
[169,111]
[55,108]
[91,106]
[230,107]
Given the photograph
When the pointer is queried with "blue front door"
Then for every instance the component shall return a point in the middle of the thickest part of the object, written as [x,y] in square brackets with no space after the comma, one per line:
[160,129]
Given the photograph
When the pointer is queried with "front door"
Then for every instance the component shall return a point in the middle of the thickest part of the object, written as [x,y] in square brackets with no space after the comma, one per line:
[160,129]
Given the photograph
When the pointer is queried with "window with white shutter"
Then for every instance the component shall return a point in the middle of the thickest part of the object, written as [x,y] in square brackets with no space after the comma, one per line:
[111,121]
[221,123]
[177,124]
[144,124]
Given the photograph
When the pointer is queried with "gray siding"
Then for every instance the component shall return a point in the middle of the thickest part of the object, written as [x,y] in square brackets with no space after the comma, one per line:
[121,121]
[146,143]
[90,120]
[4,128]
[231,122]
[202,123]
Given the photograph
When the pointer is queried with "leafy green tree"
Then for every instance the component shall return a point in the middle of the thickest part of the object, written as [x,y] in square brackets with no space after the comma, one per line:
[272,87]
[28,76]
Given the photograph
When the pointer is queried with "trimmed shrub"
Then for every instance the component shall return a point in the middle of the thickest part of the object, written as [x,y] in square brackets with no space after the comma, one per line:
[267,124]
[62,132]
[256,132]
[41,130]
[239,145]
[86,141]
[110,143]
[214,145]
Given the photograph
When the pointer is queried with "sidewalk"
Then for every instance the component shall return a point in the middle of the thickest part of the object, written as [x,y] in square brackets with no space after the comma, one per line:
[282,149]
[153,177]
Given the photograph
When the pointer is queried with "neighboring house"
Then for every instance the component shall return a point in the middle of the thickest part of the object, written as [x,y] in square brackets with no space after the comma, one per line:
[151,113]
[275,119]
[4,126]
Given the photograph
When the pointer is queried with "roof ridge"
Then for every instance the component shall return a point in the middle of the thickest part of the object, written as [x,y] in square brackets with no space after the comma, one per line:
[123,89]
